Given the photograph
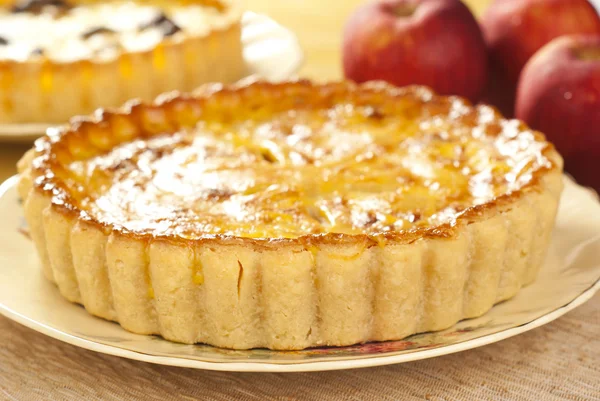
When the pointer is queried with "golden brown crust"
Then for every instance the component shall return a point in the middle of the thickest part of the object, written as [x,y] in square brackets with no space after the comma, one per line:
[171,112]
[278,293]
[40,89]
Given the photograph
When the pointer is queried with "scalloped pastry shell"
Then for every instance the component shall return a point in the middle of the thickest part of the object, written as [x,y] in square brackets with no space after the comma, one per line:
[241,294]
[43,91]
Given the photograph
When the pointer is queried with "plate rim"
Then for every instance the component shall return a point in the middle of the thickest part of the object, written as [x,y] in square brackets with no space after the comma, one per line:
[310,366]
[307,366]
[31,131]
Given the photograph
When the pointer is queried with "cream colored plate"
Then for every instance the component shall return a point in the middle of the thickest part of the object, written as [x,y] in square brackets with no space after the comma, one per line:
[271,51]
[570,276]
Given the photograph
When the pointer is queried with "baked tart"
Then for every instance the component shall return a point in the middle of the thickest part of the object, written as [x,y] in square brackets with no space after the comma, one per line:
[60,58]
[291,215]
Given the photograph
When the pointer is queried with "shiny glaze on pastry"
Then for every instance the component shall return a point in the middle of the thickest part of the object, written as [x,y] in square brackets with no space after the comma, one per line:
[293,160]
[291,215]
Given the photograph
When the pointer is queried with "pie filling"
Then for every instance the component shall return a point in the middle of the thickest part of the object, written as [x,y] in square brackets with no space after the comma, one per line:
[303,167]
[64,31]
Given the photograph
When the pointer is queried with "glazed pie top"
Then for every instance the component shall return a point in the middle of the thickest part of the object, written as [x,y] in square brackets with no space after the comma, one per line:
[66,31]
[291,215]
[288,161]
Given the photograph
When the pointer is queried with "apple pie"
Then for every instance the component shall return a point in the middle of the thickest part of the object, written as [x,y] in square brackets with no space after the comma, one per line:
[60,58]
[291,215]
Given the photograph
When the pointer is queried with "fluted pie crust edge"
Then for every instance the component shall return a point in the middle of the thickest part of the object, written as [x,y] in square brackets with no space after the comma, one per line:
[41,90]
[332,290]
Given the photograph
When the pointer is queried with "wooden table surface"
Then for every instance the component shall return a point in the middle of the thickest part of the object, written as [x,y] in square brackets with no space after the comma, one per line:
[558,361]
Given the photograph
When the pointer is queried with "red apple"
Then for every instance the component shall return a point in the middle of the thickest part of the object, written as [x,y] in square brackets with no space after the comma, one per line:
[436,43]
[515,29]
[559,95]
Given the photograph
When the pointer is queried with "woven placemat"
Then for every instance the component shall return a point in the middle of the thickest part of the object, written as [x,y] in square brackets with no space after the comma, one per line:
[559,361]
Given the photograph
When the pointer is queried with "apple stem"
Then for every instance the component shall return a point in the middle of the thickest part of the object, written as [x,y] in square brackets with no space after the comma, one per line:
[588,53]
[404,10]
